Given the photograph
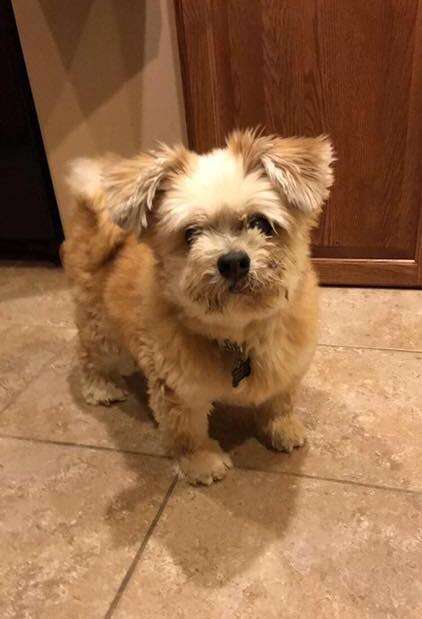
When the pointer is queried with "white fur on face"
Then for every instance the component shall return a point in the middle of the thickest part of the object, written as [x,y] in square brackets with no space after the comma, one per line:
[218,184]
[194,283]
[218,197]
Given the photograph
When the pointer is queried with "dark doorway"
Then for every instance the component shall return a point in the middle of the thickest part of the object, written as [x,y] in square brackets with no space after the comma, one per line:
[30,225]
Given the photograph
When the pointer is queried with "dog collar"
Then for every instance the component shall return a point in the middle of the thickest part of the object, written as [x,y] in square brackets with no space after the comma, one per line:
[241,362]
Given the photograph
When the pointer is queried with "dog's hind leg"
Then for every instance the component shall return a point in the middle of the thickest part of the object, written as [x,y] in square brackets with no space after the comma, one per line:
[101,382]
[101,388]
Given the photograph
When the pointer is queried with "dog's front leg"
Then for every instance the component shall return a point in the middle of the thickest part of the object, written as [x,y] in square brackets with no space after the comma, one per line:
[277,424]
[200,459]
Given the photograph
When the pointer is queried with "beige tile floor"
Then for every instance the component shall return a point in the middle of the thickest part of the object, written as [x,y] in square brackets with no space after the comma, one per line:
[94,524]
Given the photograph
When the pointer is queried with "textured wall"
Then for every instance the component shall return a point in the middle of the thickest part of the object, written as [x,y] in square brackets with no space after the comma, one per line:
[104,75]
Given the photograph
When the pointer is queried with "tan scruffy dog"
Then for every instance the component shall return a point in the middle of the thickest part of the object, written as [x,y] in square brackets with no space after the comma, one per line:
[198,267]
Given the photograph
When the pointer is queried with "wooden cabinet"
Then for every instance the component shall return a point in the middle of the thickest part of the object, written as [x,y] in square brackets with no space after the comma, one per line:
[349,68]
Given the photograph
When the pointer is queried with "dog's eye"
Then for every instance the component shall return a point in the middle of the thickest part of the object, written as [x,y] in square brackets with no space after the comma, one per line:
[191,233]
[262,224]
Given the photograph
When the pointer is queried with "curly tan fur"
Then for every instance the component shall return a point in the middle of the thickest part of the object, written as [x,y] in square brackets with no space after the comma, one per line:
[142,294]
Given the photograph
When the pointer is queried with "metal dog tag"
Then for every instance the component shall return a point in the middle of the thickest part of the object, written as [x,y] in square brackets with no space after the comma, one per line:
[242,364]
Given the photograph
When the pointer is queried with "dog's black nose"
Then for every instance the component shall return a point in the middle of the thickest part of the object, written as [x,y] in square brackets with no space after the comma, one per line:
[234,265]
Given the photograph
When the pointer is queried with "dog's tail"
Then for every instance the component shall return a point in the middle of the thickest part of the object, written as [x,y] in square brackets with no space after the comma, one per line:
[85,180]
[93,238]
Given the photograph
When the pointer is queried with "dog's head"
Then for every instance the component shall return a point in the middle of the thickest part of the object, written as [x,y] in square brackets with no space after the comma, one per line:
[229,228]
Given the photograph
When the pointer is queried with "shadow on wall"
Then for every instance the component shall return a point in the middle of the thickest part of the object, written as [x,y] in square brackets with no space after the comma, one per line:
[102,45]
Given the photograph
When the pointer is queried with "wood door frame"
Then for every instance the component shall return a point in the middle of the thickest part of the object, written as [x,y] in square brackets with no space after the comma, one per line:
[332,271]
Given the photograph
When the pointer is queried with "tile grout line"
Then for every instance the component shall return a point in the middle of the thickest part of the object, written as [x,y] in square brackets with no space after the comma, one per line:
[334,480]
[106,448]
[71,327]
[321,345]
[50,325]
[382,349]
[32,379]
[116,450]
[135,561]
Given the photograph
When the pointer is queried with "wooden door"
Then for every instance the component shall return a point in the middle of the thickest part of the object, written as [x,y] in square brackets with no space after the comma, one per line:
[349,68]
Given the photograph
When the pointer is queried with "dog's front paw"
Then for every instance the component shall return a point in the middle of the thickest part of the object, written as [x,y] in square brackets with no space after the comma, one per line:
[285,433]
[207,464]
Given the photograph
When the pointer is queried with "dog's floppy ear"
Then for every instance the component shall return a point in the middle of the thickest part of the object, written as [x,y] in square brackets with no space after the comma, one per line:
[301,168]
[298,167]
[131,185]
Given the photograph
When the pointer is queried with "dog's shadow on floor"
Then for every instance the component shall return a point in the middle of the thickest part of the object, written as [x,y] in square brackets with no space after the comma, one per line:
[211,534]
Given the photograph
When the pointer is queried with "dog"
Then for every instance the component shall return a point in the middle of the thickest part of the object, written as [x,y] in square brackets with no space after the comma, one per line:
[196,268]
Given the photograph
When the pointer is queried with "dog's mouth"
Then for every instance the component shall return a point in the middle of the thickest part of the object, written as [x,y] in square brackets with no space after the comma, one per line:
[239,286]
[248,286]
[214,294]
